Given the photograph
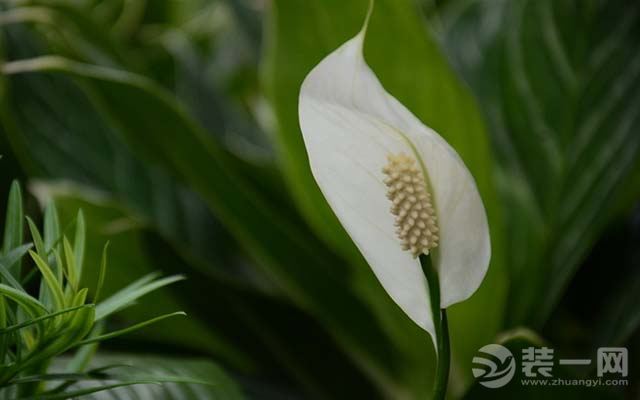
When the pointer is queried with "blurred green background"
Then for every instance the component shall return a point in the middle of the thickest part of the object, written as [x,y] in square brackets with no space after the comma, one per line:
[173,125]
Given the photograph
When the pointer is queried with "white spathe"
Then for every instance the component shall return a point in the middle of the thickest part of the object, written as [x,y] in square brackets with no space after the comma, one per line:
[350,125]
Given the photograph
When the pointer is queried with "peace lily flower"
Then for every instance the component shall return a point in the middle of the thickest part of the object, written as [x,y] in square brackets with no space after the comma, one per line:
[398,188]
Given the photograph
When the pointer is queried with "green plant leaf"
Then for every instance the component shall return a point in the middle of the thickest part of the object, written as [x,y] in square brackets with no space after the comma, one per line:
[67,141]
[129,329]
[559,86]
[12,258]
[51,231]
[31,305]
[79,325]
[277,242]
[37,239]
[244,328]
[34,321]
[614,317]
[102,273]
[71,29]
[115,249]
[128,295]
[70,263]
[9,279]
[50,281]
[100,159]
[14,227]
[79,244]
[156,377]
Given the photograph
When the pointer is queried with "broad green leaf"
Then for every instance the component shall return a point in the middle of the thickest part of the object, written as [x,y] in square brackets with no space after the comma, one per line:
[274,238]
[559,85]
[56,144]
[100,158]
[115,252]
[621,318]
[246,329]
[224,102]
[71,29]
[287,61]
[247,316]
[412,68]
[614,317]
[212,381]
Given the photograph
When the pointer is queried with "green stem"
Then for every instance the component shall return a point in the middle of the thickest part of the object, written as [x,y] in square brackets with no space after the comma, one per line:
[441,328]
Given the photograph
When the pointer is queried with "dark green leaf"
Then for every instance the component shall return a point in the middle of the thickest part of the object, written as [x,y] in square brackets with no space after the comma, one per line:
[246,329]
[153,377]
[56,144]
[278,244]
[559,83]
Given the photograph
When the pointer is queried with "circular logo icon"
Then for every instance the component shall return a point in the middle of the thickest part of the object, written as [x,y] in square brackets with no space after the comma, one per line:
[494,366]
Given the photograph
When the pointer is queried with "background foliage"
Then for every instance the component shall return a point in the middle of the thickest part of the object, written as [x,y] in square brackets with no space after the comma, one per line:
[173,125]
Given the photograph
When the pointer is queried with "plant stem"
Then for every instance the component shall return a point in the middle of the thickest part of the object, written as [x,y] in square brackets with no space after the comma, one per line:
[441,328]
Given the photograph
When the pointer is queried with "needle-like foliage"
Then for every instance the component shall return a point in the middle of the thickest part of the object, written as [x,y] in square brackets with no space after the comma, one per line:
[38,325]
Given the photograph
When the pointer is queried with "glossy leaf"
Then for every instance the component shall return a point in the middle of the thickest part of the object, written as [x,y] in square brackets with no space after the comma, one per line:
[559,86]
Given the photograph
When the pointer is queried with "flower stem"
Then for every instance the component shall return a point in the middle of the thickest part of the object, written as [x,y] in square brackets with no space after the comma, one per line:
[441,328]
